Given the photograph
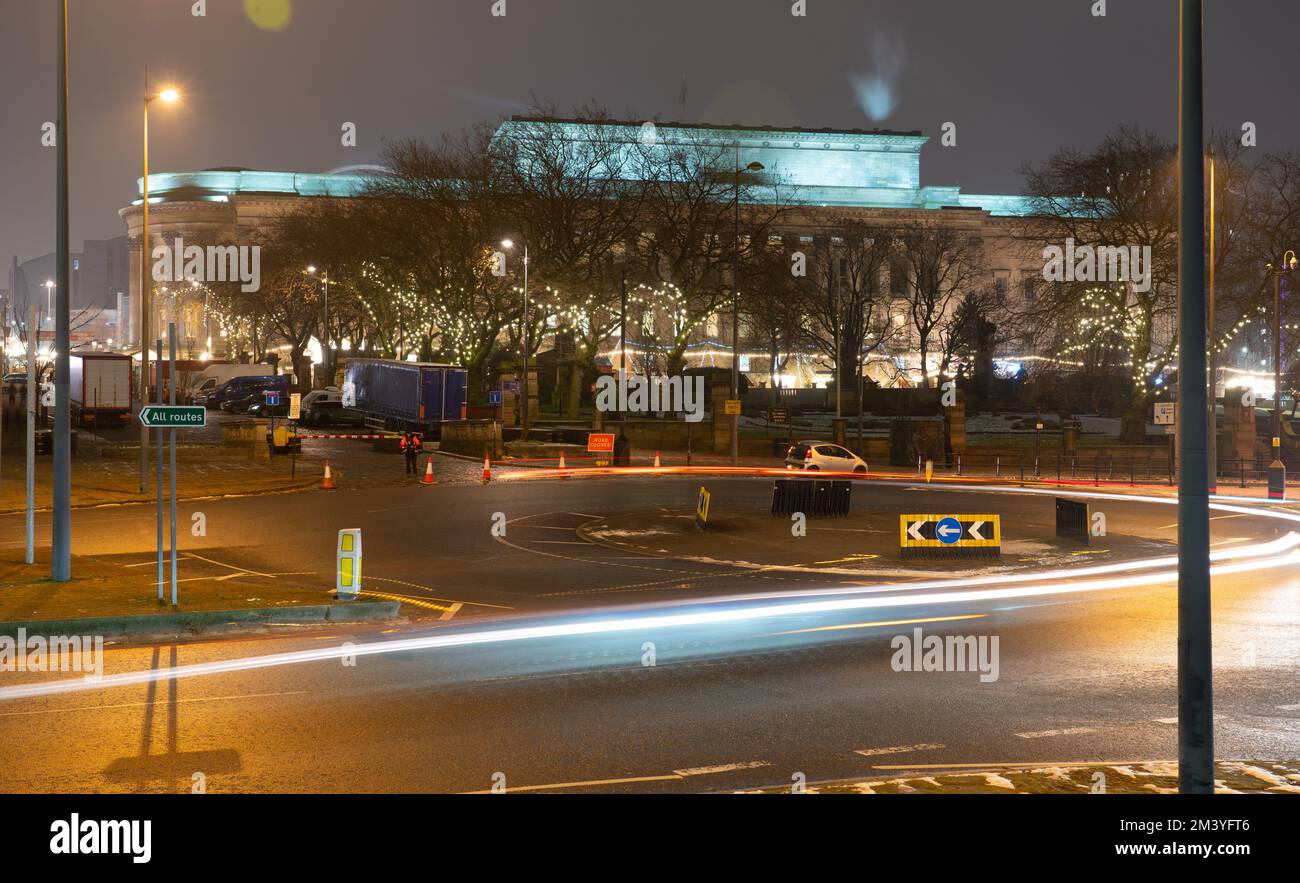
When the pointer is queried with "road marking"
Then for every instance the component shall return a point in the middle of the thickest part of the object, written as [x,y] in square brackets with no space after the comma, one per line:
[148,563]
[1037,764]
[1165,720]
[1288,708]
[721,768]
[559,543]
[155,702]
[872,625]
[451,611]
[899,749]
[415,602]
[1068,731]
[233,567]
[1215,518]
[589,784]
[400,582]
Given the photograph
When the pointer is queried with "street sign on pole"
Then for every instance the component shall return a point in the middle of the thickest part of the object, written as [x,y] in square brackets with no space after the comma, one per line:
[950,535]
[174,416]
[295,406]
[600,443]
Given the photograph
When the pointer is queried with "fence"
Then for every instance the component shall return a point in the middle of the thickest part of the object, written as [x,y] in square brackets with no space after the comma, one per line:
[1097,469]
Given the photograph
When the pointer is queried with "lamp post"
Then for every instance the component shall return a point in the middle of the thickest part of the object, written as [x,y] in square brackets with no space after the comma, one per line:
[735,305]
[1277,469]
[61,517]
[1195,665]
[325,348]
[167,96]
[523,379]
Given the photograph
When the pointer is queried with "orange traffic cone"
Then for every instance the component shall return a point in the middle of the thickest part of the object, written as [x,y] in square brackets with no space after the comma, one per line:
[487,469]
[328,483]
[562,466]
[657,466]
[428,472]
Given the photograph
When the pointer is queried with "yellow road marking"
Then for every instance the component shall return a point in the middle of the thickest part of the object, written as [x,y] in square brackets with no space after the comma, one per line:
[590,784]
[872,625]
[1013,765]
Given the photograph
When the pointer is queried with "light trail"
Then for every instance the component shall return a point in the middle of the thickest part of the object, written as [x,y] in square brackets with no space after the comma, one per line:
[1281,552]
[645,623]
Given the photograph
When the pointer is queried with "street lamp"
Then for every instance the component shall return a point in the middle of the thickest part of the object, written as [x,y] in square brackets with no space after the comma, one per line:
[325,350]
[735,306]
[509,245]
[167,96]
[1277,469]
[49,300]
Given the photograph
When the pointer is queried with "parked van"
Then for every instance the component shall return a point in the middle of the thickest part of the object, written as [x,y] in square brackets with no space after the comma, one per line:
[242,387]
[214,376]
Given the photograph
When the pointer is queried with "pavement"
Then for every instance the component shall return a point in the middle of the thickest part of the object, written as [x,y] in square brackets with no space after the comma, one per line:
[640,672]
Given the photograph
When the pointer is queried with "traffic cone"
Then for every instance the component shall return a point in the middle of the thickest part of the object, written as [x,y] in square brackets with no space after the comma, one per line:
[428,472]
[657,460]
[328,483]
[487,469]
[562,466]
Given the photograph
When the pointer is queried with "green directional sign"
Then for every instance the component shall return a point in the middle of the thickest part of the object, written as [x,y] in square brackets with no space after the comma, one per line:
[174,416]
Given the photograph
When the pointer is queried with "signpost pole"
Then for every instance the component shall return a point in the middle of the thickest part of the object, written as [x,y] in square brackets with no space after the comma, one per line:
[33,336]
[171,385]
[158,495]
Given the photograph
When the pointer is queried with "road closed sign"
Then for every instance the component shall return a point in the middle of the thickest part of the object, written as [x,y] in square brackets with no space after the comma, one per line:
[600,443]
[949,535]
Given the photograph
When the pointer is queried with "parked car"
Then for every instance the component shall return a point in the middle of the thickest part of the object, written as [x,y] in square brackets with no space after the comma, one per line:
[242,387]
[259,408]
[331,413]
[242,404]
[820,456]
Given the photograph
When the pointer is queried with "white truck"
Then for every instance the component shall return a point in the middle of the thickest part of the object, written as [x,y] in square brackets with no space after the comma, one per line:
[100,389]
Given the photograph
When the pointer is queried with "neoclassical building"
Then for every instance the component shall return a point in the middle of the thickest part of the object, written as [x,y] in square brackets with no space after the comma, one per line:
[873,175]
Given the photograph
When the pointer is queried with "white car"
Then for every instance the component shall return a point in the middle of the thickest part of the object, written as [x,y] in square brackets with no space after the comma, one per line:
[820,456]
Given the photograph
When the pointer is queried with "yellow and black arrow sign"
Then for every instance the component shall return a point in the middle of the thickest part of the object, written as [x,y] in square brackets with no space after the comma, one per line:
[950,535]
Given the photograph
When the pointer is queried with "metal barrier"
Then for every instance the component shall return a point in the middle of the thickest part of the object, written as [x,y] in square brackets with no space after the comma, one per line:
[815,499]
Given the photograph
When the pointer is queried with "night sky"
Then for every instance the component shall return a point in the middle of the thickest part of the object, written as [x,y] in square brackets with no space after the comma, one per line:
[1019,77]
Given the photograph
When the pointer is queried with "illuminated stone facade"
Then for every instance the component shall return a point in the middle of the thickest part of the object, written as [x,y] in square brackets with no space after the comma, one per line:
[874,176]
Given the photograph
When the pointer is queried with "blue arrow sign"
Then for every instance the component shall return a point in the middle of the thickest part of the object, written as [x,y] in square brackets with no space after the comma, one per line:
[948,531]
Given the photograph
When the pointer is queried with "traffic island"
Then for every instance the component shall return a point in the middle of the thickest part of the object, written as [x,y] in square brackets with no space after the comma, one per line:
[863,543]
[111,598]
[1139,777]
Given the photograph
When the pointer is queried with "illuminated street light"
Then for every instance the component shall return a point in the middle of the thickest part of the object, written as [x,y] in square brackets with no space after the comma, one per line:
[168,96]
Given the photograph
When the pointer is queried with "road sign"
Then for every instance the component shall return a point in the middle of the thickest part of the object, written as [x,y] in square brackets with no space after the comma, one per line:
[778,415]
[732,408]
[174,416]
[600,443]
[494,397]
[1166,413]
[702,509]
[949,535]
[272,398]
[295,406]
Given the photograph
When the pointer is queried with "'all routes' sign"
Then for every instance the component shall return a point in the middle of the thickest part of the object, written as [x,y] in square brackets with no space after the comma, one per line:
[174,416]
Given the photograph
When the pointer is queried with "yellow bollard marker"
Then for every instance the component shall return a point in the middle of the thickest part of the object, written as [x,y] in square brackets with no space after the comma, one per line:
[348,584]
